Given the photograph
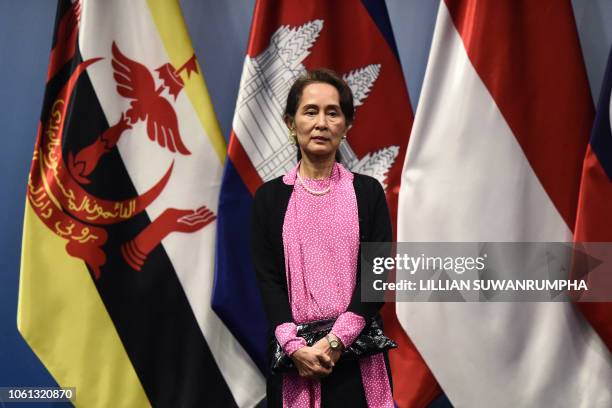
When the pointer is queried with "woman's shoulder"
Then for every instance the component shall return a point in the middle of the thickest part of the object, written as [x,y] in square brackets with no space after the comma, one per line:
[365,182]
[364,178]
[271,188]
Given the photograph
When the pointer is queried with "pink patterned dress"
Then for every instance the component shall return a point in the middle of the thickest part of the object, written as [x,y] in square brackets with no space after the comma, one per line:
[321,244]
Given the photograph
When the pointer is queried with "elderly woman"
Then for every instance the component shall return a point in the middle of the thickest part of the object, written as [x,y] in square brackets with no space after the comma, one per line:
[307,228]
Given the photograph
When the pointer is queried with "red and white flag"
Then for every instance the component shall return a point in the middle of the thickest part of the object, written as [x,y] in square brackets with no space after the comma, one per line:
[496,155]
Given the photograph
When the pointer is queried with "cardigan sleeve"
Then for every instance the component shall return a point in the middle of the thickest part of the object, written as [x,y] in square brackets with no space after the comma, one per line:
[379,231]
[270,275]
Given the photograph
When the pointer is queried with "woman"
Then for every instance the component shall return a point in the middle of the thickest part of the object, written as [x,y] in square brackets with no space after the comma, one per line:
[307,226]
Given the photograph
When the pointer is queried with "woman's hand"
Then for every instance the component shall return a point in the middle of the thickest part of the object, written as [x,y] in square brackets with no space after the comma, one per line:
[312,363]
[324,347]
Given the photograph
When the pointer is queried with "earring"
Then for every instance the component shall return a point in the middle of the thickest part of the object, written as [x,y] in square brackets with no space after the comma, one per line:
[293,136]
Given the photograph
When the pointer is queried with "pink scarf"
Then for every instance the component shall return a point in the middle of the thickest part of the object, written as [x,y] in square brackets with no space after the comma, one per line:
[321,244]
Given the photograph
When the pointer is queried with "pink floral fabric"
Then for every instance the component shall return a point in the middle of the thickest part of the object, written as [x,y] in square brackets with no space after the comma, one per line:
[347,327]
[286,334]
[321,246]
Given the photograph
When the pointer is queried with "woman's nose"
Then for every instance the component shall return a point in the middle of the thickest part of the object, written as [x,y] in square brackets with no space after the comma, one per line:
[321,121]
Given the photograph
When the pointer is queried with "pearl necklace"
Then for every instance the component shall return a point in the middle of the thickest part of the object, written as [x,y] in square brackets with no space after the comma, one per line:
[311,191]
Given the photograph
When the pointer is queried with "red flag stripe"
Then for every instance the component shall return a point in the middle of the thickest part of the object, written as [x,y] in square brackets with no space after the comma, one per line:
[593,208]
[547,102]
[414,386]
[594,203]
[243,164]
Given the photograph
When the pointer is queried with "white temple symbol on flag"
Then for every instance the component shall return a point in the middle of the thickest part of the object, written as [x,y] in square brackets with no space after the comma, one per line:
[264,87]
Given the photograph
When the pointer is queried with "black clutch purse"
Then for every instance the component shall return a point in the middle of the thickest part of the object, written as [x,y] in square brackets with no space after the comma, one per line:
[370,341]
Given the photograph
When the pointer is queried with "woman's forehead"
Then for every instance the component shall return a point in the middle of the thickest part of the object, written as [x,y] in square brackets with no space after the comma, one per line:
[320,93]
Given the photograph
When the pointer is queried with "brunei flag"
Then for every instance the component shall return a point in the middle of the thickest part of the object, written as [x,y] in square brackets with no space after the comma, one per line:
[120,218]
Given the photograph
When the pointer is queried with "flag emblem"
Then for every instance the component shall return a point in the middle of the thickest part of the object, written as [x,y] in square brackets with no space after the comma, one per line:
[264,87]
[76,215]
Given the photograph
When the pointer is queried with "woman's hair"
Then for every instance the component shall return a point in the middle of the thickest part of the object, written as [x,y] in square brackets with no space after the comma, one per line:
[321,75]
[325,76]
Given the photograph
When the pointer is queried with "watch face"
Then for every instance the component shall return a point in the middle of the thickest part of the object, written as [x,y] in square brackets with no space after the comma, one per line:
[334,344]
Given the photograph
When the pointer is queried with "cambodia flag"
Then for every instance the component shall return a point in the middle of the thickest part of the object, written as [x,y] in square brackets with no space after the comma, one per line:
[288,37]
[593,222]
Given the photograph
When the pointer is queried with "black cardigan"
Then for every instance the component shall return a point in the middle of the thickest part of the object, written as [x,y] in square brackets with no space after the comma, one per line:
[269,208]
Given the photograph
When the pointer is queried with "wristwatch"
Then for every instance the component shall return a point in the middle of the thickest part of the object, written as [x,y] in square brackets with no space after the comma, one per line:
[334,344]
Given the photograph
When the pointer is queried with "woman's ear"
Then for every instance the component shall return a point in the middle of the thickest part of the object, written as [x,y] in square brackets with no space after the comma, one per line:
[289,123]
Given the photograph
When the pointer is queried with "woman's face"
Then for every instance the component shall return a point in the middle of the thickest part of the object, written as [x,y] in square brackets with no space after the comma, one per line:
[319,121]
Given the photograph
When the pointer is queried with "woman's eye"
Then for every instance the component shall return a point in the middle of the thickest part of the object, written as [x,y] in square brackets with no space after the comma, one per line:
[310,112]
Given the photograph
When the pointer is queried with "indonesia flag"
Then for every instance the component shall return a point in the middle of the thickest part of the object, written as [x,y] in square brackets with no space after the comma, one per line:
[288,37]
[496,155]
[593,223]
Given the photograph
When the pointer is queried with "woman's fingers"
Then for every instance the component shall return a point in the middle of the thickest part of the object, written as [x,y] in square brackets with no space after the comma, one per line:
[314,369]
[312,363]
[325,360]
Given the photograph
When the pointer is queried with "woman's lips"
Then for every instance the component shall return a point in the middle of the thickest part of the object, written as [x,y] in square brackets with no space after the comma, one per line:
[319,139]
